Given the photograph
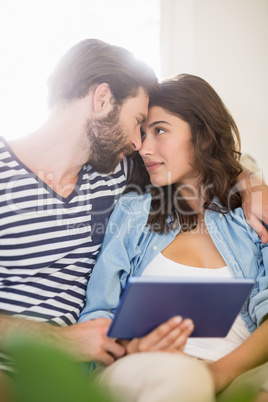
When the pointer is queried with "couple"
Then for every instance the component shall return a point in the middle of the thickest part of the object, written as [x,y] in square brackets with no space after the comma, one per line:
[185,219]
[56,183]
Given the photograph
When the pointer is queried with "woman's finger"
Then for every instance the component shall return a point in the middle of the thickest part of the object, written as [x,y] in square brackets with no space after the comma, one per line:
[176,338]
[150,341]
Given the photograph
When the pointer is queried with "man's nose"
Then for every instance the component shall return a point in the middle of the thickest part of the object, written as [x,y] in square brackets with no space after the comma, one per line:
[136,140]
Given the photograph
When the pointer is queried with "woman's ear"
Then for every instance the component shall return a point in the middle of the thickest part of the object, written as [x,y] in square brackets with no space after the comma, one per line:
[204,145]
[102,99]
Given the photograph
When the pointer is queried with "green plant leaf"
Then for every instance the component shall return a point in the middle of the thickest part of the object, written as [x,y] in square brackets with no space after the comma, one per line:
[46,374]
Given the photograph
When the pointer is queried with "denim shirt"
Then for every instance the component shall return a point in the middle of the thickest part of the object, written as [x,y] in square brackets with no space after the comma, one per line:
[129,246]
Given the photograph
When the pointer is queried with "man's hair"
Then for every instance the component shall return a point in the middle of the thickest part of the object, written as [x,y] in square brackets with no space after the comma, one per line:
[92,62]
[216,150]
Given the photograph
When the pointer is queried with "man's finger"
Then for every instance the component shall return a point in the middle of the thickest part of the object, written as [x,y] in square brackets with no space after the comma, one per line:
[258,227]
[115,349]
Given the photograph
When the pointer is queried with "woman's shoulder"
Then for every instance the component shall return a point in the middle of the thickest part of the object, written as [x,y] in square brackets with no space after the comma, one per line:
[220,211]
[134,201]
[240,225]
[233,218]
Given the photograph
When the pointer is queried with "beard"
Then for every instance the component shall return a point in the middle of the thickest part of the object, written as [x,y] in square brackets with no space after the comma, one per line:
[108,140]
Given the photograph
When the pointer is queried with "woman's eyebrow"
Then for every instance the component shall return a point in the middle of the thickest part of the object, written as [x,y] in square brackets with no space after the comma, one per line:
[158,122]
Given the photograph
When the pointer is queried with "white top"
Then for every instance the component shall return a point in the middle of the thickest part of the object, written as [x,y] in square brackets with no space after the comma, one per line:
[203,348]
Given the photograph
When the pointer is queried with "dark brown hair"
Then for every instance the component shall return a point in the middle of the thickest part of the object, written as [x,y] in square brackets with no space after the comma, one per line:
[92,62]
[216,149]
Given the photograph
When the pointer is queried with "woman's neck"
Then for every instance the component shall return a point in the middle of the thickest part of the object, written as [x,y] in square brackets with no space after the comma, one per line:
[192,194]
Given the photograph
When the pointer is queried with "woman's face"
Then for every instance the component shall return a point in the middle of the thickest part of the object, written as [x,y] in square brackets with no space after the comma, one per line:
[167,149]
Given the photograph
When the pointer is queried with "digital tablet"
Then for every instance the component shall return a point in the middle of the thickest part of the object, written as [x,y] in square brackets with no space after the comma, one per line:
[212,304]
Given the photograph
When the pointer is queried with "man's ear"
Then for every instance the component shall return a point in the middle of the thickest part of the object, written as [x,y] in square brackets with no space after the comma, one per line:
[102,99]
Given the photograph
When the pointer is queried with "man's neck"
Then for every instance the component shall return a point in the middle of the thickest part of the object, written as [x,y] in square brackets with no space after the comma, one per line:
[55,165]
[57,151]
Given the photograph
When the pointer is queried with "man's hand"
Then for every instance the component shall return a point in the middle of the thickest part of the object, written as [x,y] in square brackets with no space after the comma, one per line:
[86,341]
[169,337]
[89,341]
[254,193]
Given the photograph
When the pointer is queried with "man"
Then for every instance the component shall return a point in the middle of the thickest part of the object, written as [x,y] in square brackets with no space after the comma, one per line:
[57,192]
[58,188]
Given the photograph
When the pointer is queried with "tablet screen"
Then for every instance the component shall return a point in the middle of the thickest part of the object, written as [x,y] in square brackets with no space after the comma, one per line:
[212,304]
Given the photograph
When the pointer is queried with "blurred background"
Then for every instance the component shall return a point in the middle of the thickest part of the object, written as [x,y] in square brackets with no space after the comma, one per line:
[223,41]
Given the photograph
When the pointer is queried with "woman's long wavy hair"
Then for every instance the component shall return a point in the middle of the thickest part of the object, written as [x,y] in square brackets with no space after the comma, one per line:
[216,149]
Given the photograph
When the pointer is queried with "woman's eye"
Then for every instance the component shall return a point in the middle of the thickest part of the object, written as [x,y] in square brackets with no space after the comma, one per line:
[159,130]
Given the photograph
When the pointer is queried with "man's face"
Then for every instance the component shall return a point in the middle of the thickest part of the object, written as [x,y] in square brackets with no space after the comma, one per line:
[117,134]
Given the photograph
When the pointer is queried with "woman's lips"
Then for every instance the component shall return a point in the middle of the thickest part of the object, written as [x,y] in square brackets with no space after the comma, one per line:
[150,166]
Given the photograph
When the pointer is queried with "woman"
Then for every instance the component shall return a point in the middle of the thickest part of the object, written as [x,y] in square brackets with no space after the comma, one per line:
[183,217]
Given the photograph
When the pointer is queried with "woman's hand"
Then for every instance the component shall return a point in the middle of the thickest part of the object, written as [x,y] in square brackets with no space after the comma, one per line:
[220,375]
[251,353]
[169,337]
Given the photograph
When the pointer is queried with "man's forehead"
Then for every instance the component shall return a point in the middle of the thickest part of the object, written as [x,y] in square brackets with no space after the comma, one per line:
[139,102]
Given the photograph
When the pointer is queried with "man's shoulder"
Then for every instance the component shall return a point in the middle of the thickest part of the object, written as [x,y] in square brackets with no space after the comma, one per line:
[119,171]
[3,144]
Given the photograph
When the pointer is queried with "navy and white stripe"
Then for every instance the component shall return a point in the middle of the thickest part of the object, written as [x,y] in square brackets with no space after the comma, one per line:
[48,244]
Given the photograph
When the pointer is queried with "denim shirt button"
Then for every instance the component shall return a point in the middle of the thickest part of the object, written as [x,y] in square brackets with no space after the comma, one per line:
[220,215]
[154,248]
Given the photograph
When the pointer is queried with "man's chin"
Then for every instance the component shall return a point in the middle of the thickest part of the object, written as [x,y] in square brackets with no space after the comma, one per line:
[103,168]
[128,151]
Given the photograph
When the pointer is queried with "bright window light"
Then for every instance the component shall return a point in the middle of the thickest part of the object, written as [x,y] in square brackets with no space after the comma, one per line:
[35,33]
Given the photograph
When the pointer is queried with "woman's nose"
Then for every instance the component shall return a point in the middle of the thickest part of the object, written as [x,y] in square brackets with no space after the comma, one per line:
[146,147]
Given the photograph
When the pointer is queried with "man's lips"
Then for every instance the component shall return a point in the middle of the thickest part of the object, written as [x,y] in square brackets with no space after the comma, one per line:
[150,166]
